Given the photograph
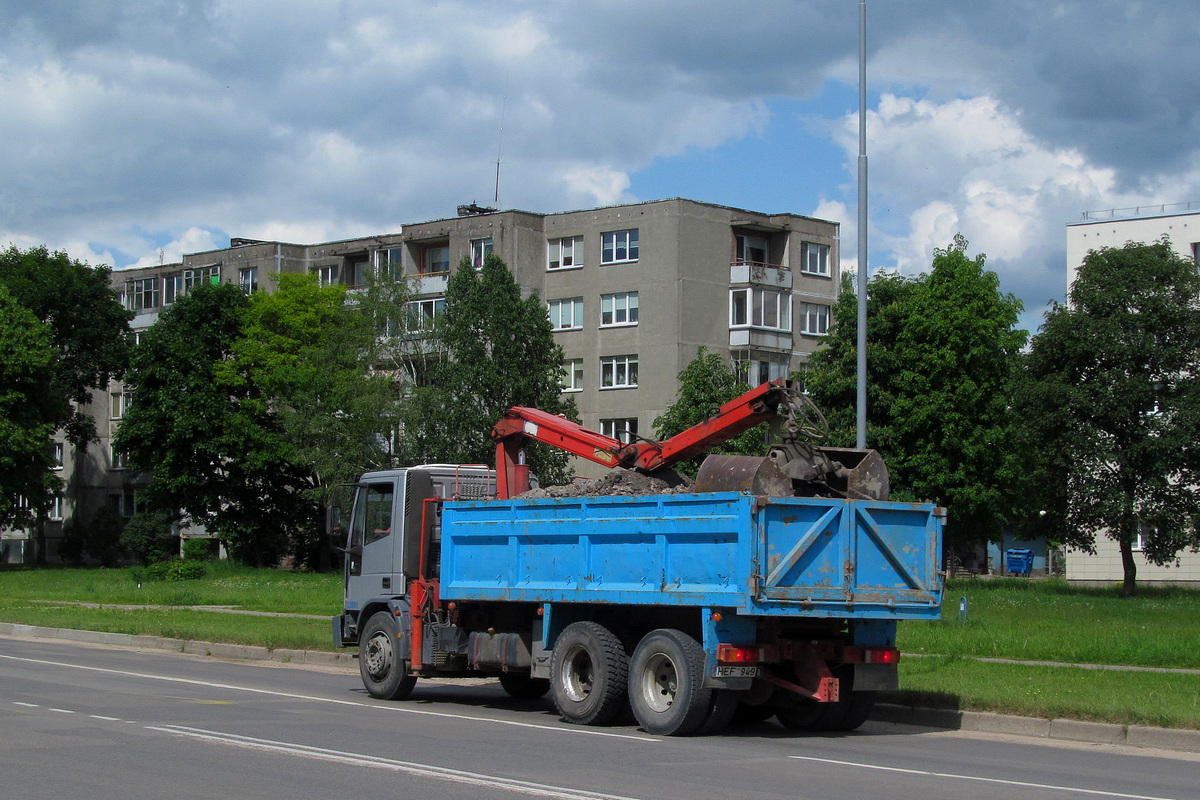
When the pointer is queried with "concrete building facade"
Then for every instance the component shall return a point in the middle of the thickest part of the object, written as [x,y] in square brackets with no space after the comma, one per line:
[1114,228]
[632,291]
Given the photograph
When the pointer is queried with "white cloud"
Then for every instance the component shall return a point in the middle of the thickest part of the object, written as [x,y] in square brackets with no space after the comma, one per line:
[193,240]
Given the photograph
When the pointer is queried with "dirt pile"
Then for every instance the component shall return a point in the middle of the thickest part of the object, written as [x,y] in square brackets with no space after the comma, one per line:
[619,482]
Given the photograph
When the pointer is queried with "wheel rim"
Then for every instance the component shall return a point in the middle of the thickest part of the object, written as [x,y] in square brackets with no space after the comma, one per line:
[659,683]
[578,675]
[378,655]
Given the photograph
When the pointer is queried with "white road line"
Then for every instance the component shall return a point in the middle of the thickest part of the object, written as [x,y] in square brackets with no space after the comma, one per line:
[26,705]
[106,719]
[61,710]
[526,788]
[404,709]
[1002,781]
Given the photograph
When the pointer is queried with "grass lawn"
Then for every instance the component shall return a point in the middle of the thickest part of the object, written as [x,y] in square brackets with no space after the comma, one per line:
[1007,618]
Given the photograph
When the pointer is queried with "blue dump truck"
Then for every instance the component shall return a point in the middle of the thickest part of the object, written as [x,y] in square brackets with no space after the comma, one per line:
[688,606]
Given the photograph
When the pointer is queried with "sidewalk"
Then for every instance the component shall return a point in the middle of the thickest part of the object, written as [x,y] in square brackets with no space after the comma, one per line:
[947,719]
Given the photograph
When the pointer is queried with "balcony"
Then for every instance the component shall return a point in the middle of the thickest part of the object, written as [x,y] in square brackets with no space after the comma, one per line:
[433,283]
[773,275]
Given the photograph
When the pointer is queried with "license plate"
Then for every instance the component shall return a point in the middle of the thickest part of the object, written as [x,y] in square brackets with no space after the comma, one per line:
[735,672]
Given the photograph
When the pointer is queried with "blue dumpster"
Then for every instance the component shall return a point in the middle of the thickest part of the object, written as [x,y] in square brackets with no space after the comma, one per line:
[1020,561]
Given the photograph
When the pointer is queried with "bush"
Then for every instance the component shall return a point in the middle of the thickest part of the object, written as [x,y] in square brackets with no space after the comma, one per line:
[197,549]
[176,569]
[148,536]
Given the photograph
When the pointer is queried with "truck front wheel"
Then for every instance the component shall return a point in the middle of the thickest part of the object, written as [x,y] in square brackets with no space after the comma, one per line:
[589,671]
[380,661]
[666,684]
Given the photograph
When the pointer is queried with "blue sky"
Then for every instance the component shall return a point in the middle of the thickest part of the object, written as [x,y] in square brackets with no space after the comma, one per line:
[144,129]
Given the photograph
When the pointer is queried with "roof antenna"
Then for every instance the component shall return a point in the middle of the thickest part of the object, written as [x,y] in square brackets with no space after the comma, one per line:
[500,141]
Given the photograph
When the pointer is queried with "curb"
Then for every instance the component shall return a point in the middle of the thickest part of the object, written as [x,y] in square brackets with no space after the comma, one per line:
[242,652]
[1068,730]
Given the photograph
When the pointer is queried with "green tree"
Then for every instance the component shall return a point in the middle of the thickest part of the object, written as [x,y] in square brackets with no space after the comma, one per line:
[28,413]
[211,440]
[1110,399]
[88,326]
[149,537]
[941,350]
[705,384]
[498,351]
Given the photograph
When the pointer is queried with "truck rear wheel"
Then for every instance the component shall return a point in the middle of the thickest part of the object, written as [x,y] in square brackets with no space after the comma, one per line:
[380,661]
[666,684]
[589,671]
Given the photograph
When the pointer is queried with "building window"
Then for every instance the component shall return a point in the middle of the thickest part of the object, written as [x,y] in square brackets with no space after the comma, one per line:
[141,294]
[116,458]
[435,260]
[618,309]
[390,262]
[199,276]
[56,510]
[248,278]
[422,313]
[751,250]
[760,308]
[128,503]
[814,258]
[120,404]
[572,375]
[480,250]
[327,275]
[619,372]
[625,429]
[356,270]
[814,319]
[56,454]
[566,315]
[565,253]
[172,288]
[619,246]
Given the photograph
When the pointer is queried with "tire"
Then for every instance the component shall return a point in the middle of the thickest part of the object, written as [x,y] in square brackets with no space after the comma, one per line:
[804,715]
[853,707]
[523,687]
[666,684]
[589,672]
[380,663]
[721,708]
[746,714]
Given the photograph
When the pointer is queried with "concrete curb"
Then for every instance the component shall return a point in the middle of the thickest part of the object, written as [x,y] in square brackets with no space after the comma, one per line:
[948,719]
[1069,730]
[241,652]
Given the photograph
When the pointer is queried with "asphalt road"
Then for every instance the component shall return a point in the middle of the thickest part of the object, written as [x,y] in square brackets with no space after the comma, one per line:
[81,721]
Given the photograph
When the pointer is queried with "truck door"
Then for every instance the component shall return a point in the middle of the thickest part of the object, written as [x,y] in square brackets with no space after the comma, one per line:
[371,565]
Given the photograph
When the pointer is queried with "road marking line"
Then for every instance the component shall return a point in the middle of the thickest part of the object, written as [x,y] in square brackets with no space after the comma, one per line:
[979,779]
[26,705]
[395,708]
[106,719]
[422,770]
[61,710]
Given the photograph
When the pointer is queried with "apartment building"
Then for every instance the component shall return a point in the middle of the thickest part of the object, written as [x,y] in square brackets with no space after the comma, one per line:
[1113,228]
[632,291]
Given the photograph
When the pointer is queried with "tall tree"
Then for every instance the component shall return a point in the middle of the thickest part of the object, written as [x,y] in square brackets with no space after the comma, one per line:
[499,352]
[1110,398]
[28,413]
[211,440]
[941,348]
[705,384]
[89,328]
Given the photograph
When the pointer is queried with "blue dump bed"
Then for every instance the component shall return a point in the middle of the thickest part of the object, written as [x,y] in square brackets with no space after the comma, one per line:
[808,557]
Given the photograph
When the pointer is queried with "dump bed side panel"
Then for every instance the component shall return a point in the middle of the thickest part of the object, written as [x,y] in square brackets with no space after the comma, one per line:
[761,556]
[657,549]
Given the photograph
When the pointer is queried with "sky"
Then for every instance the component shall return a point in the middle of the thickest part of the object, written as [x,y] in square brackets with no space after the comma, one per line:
[134,131]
